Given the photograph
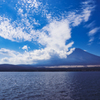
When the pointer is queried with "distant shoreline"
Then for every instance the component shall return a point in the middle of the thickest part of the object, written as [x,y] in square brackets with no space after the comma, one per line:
[52,69]
[32,68]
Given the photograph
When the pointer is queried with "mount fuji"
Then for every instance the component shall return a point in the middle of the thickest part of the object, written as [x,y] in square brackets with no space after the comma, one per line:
[77,57]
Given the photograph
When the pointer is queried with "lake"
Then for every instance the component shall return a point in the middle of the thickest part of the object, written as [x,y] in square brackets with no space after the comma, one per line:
[49,85]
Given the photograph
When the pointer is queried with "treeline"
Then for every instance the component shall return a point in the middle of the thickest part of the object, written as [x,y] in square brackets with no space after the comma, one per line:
[40,69]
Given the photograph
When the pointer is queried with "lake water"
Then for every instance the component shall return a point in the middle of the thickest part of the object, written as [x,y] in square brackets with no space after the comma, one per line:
[49,85]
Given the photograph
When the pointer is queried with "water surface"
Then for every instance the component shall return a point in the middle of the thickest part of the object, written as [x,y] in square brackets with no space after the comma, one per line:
[49,85]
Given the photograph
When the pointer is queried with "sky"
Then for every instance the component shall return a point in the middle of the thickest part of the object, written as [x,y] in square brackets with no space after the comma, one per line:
[37,30]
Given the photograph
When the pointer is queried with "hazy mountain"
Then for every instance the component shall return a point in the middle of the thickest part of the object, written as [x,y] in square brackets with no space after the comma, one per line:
[78,57]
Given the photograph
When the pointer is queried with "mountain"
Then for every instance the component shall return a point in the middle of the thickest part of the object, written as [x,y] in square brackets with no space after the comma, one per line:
[78,57]
[9,67]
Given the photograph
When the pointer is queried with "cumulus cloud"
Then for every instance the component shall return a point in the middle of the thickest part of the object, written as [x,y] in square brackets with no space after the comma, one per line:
[53,36]
[5,60]
[25,47]
[13,57]
[8,52]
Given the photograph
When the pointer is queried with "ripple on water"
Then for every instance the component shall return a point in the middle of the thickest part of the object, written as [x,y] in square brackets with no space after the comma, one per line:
[50,85]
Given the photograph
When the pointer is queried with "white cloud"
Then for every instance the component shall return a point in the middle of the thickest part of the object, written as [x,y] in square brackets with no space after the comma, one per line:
[30,57]
[25,47]
[5,60]
[94,31]
[86,13]
[29,3]
[13,57]
[8,52]
[8,31]
[77,18]
[91,39]
[20,11]
[71,50]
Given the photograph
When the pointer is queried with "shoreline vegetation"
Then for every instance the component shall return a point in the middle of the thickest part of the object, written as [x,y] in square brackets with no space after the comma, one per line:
[30,68]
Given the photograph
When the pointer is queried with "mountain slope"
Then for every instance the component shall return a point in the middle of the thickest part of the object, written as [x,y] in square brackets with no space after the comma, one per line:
[78,57]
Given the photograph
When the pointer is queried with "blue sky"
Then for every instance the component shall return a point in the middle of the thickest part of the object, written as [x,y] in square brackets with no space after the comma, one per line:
[35,30]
